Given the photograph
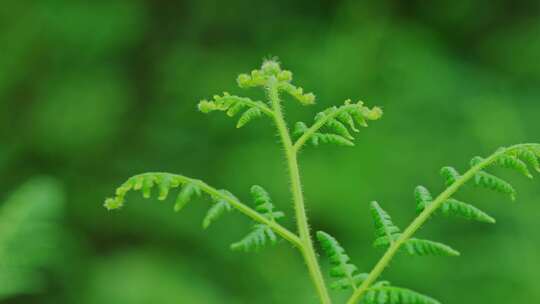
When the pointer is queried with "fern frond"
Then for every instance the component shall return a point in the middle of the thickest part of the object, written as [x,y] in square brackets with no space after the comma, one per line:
[423,198]
[219,207]
[145,183]
[513,162]
[515,157]
[426,247]
[260,233]
[256,239]
[340,261]
[327,138]
[486,180]
[338,124]
[264,203]
[232,105]
[385,294]
[529,156]
[453,207]
[385,230]
[189,190]
[189,187]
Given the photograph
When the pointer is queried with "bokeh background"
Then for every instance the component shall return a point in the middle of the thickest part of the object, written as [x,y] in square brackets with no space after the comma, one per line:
[94,92]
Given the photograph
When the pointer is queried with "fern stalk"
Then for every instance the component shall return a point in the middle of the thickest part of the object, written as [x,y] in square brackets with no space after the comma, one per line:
[422,218]
[307,248]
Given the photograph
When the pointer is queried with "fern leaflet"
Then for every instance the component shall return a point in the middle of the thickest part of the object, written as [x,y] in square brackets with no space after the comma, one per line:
[219,207]
[451,207]
[346,273]
[232,105]
[256,239]
[387,234]
[260,233]
[385,294]
[338,124]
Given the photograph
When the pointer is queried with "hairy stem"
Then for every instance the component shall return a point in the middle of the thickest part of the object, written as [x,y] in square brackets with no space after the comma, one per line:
[319,124]
[420,220]
[307,249]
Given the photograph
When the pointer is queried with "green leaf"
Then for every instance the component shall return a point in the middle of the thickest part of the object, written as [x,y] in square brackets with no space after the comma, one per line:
[189,190]
[423,198]
[486,180]
[259,236]
[219,207]
[385,230]
[338,123]
[341,268]
[529,156]
[232,105]
[395,295]
[144,183]
[425,247]
[264,203]
[454,207]
[512,162]
[328,138]
[450,175]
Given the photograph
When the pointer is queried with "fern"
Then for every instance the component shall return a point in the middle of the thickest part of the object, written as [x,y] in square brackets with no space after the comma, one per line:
[232,105]
[260,233]
[219,207]
[337,125]
[516,158]
[451,207]
[256,239]
[387,233]
[346,273]
[223,201]
[385,294]
[385,230]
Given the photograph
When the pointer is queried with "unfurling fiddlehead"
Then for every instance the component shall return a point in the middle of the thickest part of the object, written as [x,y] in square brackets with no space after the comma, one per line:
[516,157]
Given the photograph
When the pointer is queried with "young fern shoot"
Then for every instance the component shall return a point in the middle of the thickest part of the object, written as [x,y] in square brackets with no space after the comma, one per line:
[335,125]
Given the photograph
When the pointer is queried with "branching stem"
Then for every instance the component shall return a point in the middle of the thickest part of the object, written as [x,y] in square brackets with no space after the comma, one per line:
[307,248]
[421,219]
[256,216]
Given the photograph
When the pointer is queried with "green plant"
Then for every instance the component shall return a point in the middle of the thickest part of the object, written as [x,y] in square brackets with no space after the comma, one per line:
[333,125]
[30,234]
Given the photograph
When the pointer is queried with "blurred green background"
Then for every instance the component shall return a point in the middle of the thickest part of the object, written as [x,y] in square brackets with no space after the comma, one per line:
[94,92]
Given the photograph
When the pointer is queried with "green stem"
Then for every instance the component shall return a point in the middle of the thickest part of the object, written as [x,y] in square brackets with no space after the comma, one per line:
[307,249]
[420,220]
